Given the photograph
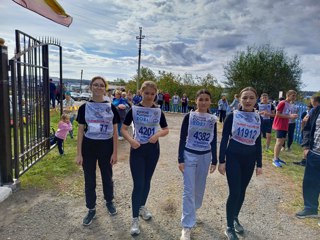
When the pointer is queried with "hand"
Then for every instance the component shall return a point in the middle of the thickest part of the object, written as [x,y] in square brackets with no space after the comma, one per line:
[222,168]
[135,144]
[258,171]
[212,168]
[293,116]
[114,159]
[153,139]
[79,159]
[181,167]
[305,152]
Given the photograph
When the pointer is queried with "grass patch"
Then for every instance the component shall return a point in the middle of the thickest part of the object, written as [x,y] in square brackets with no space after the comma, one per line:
[55,172]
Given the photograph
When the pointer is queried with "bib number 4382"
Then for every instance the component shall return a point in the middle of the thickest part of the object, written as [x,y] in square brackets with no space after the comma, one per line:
[201,136]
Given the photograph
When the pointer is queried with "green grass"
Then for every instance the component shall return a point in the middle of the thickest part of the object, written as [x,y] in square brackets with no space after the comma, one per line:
[55,172]
[292,174]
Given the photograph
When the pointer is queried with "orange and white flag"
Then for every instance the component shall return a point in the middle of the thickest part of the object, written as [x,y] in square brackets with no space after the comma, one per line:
[50,9]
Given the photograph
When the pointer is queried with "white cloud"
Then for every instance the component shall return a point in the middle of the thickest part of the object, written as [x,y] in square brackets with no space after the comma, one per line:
[194,36]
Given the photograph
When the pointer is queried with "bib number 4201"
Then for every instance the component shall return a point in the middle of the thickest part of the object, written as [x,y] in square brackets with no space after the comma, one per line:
[146,131]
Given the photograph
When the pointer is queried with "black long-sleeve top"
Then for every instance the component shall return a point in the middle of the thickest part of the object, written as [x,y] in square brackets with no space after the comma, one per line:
[183,141]
[309,129]
[236,148]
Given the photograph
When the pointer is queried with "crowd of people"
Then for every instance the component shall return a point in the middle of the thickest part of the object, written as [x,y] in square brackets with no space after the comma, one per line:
[105,119]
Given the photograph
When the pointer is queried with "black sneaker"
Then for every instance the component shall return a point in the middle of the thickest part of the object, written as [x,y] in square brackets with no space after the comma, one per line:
[231,234]
[307,214]
[89,217]
[111,208]
[237,226]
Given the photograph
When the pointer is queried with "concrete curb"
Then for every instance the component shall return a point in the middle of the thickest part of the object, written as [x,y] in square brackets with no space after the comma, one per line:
[5,192]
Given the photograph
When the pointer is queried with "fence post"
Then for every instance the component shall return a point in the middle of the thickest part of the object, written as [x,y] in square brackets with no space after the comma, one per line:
[5,139]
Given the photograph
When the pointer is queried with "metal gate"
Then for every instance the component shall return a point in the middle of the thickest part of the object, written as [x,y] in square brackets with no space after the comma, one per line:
[25,104]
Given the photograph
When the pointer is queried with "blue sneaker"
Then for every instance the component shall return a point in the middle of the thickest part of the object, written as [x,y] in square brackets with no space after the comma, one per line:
[276,163]
[281,161]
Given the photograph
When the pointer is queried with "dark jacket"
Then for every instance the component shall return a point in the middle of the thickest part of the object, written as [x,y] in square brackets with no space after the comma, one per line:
[309,129]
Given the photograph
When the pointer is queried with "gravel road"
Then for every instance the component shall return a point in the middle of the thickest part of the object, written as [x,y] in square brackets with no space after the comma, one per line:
[30,214]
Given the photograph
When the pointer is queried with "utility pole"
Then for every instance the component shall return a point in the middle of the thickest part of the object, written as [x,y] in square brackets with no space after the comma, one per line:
[81,81]
[140,37]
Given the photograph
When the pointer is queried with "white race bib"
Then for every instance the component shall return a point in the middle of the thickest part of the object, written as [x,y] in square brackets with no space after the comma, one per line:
[200,131]
[146,122]
[99,118]
[245,127]
[265,108]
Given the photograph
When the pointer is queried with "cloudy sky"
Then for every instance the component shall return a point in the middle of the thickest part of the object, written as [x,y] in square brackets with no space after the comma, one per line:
[192,36]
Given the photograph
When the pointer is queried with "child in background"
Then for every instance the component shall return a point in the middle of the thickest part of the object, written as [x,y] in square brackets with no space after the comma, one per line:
[197,149]
[266,110]
[64,127]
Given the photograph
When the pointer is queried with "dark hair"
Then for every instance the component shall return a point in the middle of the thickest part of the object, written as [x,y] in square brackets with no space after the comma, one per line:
[249,89]
[203,91]
[96,78]
[316,99]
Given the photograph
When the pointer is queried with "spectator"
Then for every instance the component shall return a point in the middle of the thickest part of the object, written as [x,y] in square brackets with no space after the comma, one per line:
[311,180]
[166,98]
[184,103]
[235,104]
[160,99]
[222,107]
[175,102]
[53,90]
[137,98]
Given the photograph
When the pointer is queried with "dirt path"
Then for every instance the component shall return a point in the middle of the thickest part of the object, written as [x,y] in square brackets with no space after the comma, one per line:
[44,215]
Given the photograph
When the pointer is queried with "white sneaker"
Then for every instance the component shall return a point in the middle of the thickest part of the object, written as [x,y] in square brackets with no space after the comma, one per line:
[135,230]
[145,213]
[185,234]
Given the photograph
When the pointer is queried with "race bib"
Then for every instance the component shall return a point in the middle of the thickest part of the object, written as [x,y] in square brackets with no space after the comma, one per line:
[245,127]
[99,119]
[200,131]
[265,108]
[146,122]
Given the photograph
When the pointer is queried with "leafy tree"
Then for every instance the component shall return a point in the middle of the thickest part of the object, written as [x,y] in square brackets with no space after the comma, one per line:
[265,68]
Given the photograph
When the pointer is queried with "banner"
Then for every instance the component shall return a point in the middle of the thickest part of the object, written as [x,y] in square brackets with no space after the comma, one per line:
[50,9]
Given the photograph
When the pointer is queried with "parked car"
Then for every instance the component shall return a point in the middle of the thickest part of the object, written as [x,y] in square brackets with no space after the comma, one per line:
[75,96]
[85,96]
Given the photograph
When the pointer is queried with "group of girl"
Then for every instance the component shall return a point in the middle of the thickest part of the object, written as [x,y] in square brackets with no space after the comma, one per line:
[240,152]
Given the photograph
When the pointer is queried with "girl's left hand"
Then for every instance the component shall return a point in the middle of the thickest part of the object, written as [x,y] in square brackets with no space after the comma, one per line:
[153,139]
[212,168]
[258,171]
[114,160]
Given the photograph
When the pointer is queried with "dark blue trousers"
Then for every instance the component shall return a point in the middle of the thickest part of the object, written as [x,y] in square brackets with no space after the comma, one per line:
[143,162]
[59,142]
[93,151]
[239,171]
[311,182]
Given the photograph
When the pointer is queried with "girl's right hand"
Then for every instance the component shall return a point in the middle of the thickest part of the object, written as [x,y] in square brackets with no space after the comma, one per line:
[79,159]
[181,167]
[135,144]
[222,168]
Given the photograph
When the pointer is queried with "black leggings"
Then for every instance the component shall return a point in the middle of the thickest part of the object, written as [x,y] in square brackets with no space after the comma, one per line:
[93,150]
[291,129]
[222,115]
[143,162]
[239,171]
